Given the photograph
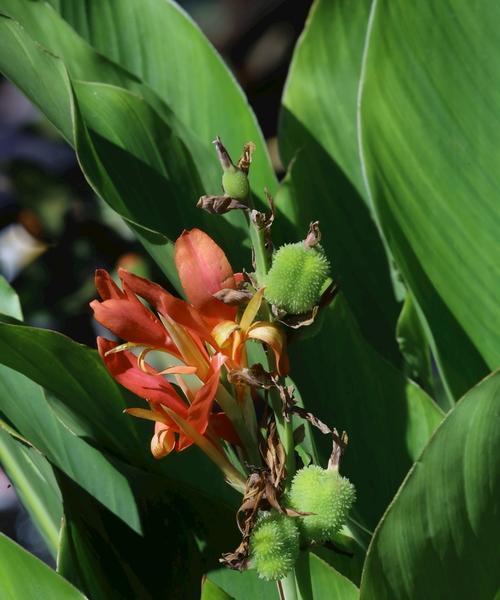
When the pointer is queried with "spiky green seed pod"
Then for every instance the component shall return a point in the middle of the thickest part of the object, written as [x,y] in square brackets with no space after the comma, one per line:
[325,493]
[235,183]
[274,545]
[297,277]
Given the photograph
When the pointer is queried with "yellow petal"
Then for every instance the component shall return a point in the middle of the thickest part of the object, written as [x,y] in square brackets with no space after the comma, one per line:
[123,347]
[144,413]
[272,335]
[190,352]
[223,331]
[251,310]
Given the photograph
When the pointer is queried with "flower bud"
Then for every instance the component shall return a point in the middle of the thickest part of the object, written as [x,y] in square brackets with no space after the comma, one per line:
[235,183]
[274,545]
[326,494]
[297,277]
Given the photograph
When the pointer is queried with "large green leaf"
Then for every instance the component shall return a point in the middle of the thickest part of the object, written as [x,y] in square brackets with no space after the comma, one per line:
[439,538]
[243,585]
[108,560]
[152,179]
[24,576]
[211,591]
[320,114]
[176,61]
[34,481]
[431,154]
[317,580]
[25,406]
[388,418]
[318,139]
[76,375]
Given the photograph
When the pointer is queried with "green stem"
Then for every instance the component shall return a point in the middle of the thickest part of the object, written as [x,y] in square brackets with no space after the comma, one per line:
[246,430]
[285,429]
[261,255]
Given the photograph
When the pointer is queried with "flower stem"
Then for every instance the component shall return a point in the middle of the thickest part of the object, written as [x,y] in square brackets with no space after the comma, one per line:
[285,429]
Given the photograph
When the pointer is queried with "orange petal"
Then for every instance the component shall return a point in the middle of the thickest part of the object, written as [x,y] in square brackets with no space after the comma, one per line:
[204,270]
[272,335]
[163,441]
[202,266]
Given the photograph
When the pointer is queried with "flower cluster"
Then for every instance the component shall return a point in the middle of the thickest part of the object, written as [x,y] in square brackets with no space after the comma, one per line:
[189,360]
[201,340]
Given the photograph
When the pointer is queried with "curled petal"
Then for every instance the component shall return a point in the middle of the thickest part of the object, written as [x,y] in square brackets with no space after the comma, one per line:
[272,335]
[204,270]
[223,331]
[163,440]
[123,367]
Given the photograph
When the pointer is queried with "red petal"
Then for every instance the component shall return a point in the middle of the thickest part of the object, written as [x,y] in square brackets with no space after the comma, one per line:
[132,321]
[123,367]
[105,286]
[167,304]
[224,428]
[204,270]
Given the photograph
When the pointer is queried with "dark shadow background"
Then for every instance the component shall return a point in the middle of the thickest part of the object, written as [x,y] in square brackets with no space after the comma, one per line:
[54,231]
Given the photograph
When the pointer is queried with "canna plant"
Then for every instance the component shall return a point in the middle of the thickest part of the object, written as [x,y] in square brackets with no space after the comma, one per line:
[321,423]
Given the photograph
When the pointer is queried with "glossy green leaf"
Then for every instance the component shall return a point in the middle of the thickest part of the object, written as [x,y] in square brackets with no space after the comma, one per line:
[211,591]
[413,344]
[155,178]
[76,375]
[316,580]
[317,137]
[432,164]
[34,481]
[388,418]
[176,61]
[320,114]
[243,585]
[24,404]
[448,548]
[9,301]
[24,576]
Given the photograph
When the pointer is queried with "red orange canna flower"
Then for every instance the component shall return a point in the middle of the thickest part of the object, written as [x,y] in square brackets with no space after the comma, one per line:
[200,339]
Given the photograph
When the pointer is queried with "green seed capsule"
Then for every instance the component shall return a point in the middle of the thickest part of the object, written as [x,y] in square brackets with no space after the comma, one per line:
[297,277]
[235,183]
[326,494]
[274,545]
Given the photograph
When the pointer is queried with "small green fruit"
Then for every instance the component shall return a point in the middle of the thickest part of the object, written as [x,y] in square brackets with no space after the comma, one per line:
[326,494]
[274,545]
[297,277]
[235,183]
